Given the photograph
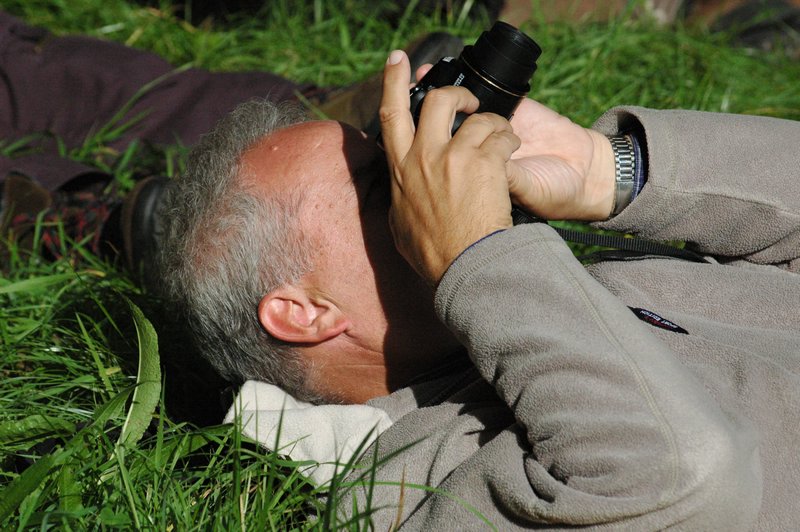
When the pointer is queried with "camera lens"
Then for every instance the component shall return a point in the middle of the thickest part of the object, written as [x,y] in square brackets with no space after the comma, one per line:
[505,57]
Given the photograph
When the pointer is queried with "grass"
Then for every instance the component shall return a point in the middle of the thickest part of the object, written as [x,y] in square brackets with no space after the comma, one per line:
[70,454]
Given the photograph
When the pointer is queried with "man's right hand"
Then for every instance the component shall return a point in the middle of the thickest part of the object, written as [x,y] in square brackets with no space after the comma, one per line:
[561,171]
[447,193]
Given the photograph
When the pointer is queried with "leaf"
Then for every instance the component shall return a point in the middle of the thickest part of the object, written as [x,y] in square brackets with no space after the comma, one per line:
[30,479]
[33,427]
[148,381]
[109,518]
[25,484]
[36,284]
[69,494]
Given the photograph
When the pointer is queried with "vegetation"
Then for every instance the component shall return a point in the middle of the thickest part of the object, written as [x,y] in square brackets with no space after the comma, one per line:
[76,450]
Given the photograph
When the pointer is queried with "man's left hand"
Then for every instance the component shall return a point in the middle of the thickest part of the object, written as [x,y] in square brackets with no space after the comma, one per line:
[562,171]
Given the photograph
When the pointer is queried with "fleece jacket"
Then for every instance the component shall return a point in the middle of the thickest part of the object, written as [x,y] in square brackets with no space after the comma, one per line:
[633,395]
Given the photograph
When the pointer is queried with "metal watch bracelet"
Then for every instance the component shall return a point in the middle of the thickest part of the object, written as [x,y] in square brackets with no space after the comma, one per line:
[624,167]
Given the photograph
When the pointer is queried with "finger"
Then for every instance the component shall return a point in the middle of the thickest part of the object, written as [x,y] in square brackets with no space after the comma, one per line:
[502,144]
[439,111]
[421,71]
[522,188]
[478,127]
[397,126]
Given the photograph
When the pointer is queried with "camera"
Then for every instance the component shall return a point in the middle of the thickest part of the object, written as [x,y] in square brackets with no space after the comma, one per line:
[497,69]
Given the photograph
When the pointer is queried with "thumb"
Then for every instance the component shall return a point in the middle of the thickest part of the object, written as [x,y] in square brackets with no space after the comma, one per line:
[522,187]
[397,125]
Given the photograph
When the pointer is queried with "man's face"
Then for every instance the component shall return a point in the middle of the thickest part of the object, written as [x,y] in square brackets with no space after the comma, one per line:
[344,180]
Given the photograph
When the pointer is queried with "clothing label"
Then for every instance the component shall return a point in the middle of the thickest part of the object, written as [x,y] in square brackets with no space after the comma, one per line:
[657,321]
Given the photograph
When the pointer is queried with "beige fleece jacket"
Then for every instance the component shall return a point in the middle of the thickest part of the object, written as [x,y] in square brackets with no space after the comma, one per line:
[578,412]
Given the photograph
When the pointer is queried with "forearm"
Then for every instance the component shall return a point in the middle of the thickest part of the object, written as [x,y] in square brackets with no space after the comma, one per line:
[619,432]
[728,184]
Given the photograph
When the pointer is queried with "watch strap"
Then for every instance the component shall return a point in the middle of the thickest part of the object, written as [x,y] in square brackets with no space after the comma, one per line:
[625,169]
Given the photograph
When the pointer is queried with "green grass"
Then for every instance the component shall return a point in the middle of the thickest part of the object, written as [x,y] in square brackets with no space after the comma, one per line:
[69,348]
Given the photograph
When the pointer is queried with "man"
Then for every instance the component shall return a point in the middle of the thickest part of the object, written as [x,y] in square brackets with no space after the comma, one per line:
[639,394]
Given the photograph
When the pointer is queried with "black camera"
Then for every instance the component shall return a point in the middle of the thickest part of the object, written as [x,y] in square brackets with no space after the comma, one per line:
[497,69]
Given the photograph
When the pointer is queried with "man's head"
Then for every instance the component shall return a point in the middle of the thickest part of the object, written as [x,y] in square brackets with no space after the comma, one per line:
[218,238]
[280,253]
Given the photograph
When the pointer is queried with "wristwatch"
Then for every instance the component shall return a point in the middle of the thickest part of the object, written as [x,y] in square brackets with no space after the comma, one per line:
[624,168]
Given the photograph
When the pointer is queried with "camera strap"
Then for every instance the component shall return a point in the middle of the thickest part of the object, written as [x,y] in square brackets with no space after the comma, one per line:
[621,248]
[625,248]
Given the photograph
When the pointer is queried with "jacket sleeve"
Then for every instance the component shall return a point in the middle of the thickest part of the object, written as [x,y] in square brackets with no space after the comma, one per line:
[728,184]
[618,432]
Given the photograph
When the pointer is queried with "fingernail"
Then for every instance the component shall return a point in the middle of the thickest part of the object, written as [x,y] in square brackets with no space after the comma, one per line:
[395,57]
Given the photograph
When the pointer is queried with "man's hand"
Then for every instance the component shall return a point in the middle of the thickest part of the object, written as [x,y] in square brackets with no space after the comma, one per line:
[446,193]
[561,171]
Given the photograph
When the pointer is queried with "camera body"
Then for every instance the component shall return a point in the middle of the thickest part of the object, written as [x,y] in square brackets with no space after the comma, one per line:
[497,69]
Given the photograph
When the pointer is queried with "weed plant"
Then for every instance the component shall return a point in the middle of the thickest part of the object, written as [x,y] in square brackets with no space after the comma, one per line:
[78,339]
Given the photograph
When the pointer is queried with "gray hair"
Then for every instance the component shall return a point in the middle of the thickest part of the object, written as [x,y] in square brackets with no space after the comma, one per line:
[226,247]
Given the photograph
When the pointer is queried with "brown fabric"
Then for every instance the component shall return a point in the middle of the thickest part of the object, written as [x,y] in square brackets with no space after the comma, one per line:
[68,87]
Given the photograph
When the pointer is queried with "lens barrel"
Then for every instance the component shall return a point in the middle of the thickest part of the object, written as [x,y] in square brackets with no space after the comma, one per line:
[505,57]
[497,69]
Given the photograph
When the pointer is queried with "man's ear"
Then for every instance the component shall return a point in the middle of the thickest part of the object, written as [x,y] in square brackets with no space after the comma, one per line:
[290,314]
